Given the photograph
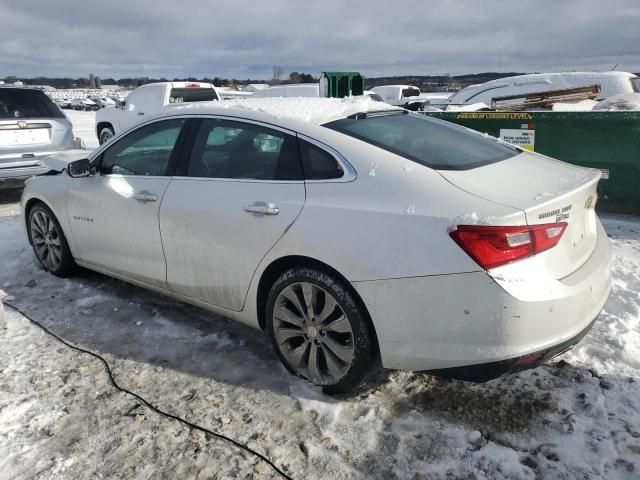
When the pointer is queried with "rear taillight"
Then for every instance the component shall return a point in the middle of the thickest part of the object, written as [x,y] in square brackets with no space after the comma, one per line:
[492,246]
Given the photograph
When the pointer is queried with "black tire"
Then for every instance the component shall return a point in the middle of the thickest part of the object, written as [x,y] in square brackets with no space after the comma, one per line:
[105,134]
[362,340]
[66,264]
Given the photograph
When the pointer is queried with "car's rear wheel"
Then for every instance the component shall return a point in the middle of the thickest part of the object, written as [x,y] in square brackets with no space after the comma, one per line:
[48,241]
[319,330]
[105,134]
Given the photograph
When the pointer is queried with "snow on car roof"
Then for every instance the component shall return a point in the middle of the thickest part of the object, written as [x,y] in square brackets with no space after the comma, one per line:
[305,109]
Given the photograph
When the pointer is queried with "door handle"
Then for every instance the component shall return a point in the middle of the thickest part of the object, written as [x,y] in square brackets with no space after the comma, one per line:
[262,208]
[145,196]
[140,113]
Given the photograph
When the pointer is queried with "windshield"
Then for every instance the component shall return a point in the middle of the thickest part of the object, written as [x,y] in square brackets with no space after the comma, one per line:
[26,103]
[434,143]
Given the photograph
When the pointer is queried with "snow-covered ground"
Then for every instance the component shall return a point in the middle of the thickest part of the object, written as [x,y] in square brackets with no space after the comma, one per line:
[59,418]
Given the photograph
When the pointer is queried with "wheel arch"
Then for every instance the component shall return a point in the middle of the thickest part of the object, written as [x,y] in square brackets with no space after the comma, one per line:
[102,125]
[32,202]
[281,265]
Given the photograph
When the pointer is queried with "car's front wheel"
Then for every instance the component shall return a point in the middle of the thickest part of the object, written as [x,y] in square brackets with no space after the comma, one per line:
[319,330]
[48,241]
[106,134]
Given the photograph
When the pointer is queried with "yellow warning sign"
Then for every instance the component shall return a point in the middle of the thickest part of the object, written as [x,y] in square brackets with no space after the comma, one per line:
[522,138]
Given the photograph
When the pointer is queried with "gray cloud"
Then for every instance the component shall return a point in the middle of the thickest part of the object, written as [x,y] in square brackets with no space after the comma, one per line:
[378,37]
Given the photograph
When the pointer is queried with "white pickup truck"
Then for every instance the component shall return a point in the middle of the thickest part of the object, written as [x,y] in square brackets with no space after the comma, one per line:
[408,96]
[147,100]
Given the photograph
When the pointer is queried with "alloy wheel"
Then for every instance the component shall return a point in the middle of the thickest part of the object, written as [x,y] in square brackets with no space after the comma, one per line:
[105,136]
[313,333]
[46,240]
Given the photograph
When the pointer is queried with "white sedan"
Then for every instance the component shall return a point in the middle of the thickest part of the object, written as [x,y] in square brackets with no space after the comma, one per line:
[355,234]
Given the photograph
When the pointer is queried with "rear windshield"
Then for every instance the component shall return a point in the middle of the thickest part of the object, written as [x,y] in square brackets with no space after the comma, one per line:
[26,103]
[184,95]
[428,141]
[410,92]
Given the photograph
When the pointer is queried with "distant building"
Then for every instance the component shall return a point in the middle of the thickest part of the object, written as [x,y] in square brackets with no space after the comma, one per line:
[255,87]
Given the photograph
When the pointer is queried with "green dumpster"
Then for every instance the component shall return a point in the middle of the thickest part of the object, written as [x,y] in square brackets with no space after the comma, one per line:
[609,141]
[341,84]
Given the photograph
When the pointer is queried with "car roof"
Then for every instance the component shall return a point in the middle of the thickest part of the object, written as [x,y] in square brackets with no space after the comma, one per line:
[20,87]
[288,112]
[194,84]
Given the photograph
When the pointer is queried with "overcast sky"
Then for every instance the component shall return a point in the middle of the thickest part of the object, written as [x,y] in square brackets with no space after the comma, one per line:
[245,38]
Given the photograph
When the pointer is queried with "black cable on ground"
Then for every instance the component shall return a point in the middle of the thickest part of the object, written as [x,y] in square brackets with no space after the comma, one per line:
[149,405]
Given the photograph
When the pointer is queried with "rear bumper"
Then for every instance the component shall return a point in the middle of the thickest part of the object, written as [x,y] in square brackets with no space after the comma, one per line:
[469,319]
[488,371]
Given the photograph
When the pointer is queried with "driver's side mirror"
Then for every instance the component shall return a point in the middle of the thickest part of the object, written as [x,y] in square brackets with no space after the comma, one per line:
[80,168]
[120,104]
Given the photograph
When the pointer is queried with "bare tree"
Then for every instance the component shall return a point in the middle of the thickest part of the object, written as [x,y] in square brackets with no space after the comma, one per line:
[277,74]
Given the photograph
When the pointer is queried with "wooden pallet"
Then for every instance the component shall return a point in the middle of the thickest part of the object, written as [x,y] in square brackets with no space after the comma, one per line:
[545,99]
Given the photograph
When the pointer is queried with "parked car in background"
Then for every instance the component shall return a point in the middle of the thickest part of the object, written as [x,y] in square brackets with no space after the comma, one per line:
[102,102]
[289,90]
[610,83]
[409,97]
[31,127]
[352,232]
[148,100]
[62,102]
[84,104]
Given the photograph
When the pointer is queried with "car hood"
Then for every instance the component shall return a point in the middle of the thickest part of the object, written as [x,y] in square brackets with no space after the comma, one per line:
[59,161]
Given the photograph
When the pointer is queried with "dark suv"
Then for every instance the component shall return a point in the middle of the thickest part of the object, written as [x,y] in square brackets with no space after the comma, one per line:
[31,127]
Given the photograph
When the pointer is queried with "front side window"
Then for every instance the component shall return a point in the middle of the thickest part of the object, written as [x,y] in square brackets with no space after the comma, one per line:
[428,141]
[230,149]
[635,83]
[145,151]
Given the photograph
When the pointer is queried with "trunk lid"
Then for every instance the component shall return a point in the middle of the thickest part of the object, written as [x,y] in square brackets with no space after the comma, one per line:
[547,191]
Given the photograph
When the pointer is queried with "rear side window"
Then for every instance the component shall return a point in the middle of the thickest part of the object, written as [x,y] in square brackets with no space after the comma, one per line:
[410,92]
[318,164]
[186,95]
[428,141]
[230,149]
[26,103]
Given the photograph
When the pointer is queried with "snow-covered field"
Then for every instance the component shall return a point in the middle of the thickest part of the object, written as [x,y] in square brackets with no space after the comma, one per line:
[578,417]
